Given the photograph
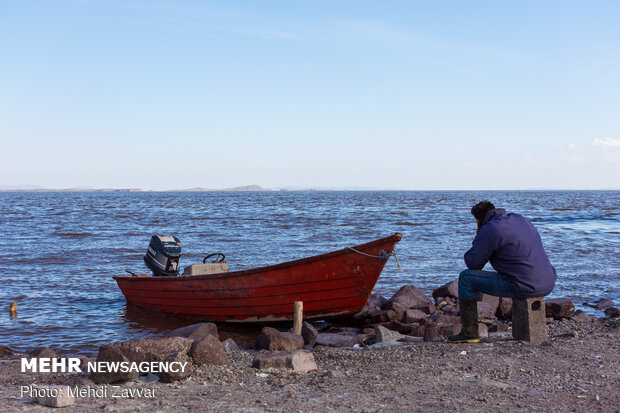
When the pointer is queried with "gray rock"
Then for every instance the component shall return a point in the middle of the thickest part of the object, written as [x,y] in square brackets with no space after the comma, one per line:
[432,333]
[209,350]
[427,308]
[486,313]
[108,353]
[5,351]
[417,330]
[374,303]
[504,309]
[450,289]
[195,331]
[559,308]
[413,316]
[483,330]
[230,345]
[336,340]
[84,362]
[55,396]
[149,378]
[143,350]
[42,352]
[383,334]
[299,360]
[612,312]
[449,329]
[491,300]
[382,316]
[411,339]
[404,328]
[309,333]
[600,304]
[274,340]
[182,372]
[581,317]
[376,300]
[346,330]
[445,319]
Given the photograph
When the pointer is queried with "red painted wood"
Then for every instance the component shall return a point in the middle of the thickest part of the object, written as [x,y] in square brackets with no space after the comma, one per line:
[339,282]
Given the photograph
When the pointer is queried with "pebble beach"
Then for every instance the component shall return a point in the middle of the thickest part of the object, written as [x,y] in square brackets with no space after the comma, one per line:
[575,369]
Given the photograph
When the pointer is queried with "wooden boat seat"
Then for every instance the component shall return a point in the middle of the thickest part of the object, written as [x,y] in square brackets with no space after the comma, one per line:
[204,269]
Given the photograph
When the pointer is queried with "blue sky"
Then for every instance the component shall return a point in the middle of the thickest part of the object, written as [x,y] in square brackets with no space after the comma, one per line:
[391,94]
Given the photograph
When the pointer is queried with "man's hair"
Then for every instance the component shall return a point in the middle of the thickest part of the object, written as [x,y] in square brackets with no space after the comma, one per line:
[481,208]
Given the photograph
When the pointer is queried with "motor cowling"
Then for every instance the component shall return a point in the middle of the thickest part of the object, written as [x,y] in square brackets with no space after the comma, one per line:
[163,254]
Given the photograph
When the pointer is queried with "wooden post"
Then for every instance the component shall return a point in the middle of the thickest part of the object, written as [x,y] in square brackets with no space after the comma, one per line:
[298,317]
[13,309]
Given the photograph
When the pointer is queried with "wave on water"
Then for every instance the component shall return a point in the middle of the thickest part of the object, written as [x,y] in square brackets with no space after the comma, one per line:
[65,247]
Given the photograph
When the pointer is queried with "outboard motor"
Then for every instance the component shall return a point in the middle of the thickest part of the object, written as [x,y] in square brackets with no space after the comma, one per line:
[162,255]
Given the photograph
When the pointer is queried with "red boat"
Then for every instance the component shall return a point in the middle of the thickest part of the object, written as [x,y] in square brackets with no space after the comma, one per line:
[332,284]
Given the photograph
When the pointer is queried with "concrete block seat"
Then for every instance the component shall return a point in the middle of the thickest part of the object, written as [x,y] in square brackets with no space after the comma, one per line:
[529,321]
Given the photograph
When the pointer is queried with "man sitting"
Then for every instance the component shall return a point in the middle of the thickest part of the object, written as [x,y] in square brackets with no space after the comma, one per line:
[513,246]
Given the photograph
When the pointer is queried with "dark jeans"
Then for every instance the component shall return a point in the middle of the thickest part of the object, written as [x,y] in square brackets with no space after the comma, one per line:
[472,281]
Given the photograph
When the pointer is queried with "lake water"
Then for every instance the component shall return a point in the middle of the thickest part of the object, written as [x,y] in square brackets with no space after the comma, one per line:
[59,251]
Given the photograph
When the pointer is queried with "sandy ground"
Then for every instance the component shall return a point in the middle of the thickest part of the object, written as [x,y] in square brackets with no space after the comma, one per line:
[577,370]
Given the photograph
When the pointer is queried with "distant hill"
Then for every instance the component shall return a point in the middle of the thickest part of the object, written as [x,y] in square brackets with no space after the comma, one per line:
[33,188]
[236,188]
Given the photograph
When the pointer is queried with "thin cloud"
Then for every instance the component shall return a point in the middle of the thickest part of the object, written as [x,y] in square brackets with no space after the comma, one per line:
[606,142]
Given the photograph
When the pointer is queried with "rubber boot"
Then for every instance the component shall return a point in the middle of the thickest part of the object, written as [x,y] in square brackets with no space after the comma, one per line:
[469,323]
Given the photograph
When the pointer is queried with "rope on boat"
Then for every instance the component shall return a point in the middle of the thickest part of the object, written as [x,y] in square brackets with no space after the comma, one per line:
[382,256]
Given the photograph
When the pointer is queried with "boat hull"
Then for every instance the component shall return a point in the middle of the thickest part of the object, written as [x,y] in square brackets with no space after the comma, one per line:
[333,284]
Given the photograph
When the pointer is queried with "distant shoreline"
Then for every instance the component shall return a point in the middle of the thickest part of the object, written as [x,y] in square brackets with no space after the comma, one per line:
[241,189]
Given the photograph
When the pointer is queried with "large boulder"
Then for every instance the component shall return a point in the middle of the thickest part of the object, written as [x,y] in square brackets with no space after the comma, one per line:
[209,350]
[336,340]
[559,308]
[450,289]
[408,296]
[299,360]
[195,331]
[183,368]
[137,351]
[274,340]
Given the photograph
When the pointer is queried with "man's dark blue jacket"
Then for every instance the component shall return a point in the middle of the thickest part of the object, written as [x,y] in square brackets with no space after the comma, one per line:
[515,250]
